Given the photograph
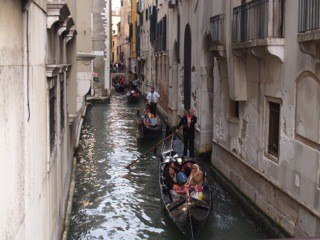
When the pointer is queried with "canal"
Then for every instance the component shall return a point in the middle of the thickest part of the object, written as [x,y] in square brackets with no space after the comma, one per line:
[112,202]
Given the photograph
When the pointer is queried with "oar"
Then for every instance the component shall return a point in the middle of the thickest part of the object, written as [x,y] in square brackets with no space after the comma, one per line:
[135,161]
[169,136]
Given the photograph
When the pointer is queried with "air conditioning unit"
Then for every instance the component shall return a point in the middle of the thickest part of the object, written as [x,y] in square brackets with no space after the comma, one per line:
[172,3]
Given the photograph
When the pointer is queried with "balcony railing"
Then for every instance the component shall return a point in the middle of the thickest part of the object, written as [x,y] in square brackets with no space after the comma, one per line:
[258,19]
[217,29]
[309,15]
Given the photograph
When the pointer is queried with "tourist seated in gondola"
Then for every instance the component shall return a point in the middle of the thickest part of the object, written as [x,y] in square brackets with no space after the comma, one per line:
[187,171]
[175,180]
[153,120]
[172,183]
[195,178]
[150,120]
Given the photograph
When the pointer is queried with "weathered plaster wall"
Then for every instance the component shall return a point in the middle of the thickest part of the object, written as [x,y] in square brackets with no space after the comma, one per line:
[173,59]
[99,36]
[34,179]
[287,187]
[84,46]
[197,14]
[36,146]
[12,128]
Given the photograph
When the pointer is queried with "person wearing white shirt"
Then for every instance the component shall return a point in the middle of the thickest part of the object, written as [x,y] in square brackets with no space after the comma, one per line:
[152,100]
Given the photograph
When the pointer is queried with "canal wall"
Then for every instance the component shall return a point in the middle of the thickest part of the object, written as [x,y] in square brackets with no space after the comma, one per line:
[249,186]
[228,177]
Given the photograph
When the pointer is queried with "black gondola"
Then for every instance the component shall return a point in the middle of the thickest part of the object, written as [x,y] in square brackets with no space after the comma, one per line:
[119,83]
[118,87]
[189,212]
[133,96]
[150,125]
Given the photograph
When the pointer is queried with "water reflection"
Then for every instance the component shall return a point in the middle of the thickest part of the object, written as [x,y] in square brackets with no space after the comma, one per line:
[112,202]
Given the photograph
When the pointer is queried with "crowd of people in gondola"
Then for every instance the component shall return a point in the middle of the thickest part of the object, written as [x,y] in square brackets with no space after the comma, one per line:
[179,180]
[120,82]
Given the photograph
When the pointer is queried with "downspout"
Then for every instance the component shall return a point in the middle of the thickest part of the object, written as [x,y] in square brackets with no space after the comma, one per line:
[24,10]
[178,37]
[28,65]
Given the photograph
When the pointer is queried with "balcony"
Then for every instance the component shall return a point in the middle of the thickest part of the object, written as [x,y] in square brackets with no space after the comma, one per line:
[217,32]
[309,27]
[259,24]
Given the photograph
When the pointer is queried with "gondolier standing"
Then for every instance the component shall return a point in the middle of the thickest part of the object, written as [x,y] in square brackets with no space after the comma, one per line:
[152,100]
[188,121]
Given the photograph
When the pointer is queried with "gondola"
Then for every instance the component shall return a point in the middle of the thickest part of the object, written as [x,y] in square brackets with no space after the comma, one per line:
[118,87]
[133,96]
[150,125]
[119,83]
[190,212]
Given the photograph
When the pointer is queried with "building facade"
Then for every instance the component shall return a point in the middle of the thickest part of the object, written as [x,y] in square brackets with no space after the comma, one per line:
[44,79]
[101,44]
[114,45]
[250,70]
[123,34]
[133,37]
[146,24]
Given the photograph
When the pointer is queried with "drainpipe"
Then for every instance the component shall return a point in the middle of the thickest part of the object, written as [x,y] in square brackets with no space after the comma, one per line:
[178,37]
[25,7]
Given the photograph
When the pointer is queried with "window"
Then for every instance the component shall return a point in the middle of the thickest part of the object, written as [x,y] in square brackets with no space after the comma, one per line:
[62,115]
[52,117]
[141,19]
[130,31]
[234,109]
[274,128]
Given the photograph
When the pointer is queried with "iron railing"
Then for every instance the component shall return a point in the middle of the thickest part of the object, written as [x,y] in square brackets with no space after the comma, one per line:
[258,19]
[217,28]
[309,15]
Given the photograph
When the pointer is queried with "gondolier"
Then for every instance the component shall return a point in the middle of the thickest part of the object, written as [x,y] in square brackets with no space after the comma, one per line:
[188,121]
[152,100]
